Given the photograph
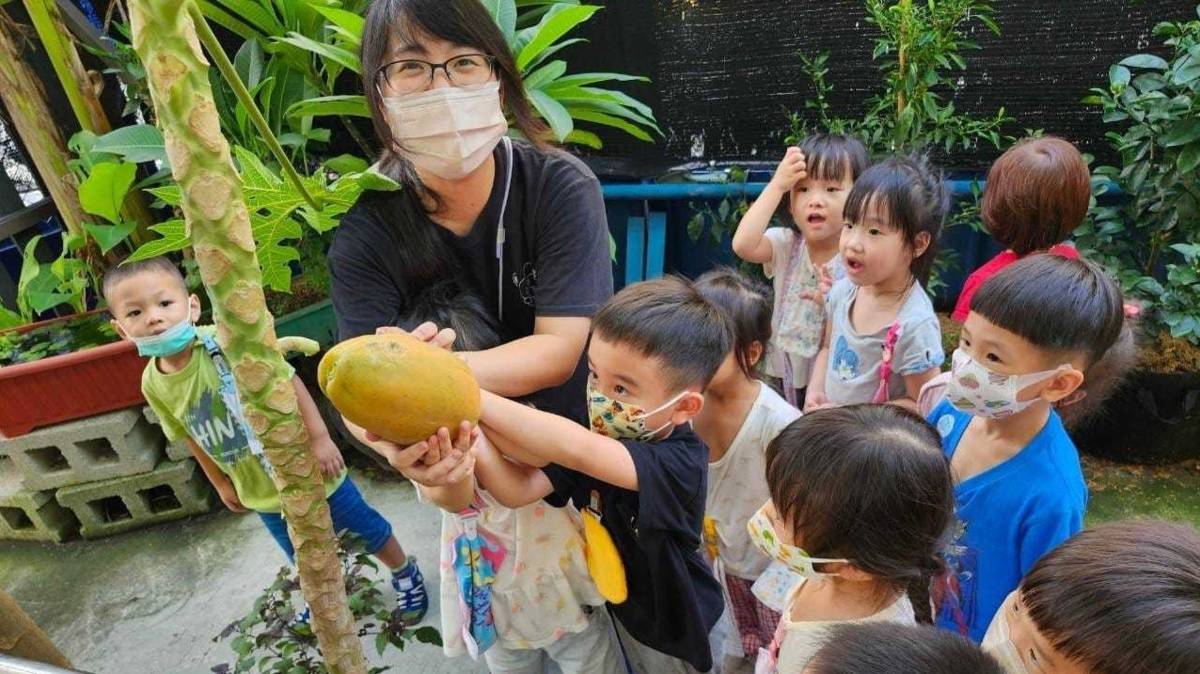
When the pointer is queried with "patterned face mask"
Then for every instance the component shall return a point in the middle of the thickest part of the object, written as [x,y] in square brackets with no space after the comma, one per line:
[762,532]
[976,390]
[622,421]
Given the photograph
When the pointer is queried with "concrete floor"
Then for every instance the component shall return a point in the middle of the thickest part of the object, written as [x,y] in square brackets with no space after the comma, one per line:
[151,601]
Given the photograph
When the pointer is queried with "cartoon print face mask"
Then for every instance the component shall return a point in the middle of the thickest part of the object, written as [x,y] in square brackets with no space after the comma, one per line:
[976,390]
[622,421]
[762,532]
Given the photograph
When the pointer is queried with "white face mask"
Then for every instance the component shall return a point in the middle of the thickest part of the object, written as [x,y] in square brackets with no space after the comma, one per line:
[977,390]
[448,131]
[998,642]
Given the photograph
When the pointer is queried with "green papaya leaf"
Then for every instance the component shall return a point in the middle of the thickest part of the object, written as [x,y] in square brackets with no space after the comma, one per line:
[105,189]
[109,236]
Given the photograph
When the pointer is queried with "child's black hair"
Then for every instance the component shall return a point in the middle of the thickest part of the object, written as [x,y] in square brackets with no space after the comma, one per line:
[887,648]
[747,304]
[1057,304]
[866,483]
[911,194]
[832,157]
[128,270]
[669,320]
[448,305]
[1122,598]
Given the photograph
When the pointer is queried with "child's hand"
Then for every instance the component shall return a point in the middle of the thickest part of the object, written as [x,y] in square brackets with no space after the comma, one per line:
[230,498]
[815,400]
[791,170]
[328,456]
[824,284]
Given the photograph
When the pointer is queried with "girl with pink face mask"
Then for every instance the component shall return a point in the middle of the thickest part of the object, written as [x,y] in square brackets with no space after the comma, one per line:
[513,220]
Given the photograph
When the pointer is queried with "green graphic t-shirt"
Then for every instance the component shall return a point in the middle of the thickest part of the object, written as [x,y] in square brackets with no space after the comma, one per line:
[189,404]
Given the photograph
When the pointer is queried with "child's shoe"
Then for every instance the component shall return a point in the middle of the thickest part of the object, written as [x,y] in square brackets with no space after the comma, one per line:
[411,597]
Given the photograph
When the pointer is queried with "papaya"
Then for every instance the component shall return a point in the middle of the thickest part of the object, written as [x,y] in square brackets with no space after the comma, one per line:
[398,387]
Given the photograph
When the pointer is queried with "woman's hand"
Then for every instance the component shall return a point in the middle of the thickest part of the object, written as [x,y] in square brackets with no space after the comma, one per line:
[426,332]
[454,460]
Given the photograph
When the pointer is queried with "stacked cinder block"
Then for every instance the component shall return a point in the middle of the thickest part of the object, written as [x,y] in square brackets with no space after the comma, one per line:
[99,476]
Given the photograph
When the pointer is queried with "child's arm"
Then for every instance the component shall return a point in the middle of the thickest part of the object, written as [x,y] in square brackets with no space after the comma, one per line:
[913,383]
[219,480]
[456,495]
[748,240]
[512,484]
[554,439]
[327,454]
[814,397]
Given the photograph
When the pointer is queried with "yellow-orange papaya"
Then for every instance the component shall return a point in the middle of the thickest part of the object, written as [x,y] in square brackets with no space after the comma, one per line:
[398,387]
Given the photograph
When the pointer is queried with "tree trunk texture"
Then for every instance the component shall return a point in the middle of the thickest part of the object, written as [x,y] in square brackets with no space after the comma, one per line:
[25,101]
[215,211]
[20,637]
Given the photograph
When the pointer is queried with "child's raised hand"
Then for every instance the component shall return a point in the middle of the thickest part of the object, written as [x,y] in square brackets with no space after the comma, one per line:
[328,456]
[824,284]
[791,170]
[454,459]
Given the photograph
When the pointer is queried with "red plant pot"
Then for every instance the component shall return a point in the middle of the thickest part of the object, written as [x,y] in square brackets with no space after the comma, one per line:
[69,386]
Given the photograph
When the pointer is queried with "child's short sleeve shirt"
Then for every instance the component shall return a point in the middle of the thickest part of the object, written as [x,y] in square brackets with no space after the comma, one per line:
[852,375]
[1009,516]
[797,321]
[674,600]
[188,403]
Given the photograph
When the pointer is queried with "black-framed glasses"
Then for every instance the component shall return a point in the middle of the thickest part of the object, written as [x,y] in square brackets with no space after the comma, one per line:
[408,76]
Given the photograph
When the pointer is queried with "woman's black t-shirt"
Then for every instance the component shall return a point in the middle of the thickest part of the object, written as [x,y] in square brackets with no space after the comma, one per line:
[556,259]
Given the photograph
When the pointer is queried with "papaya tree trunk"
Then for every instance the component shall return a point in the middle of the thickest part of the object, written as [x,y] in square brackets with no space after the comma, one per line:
[215,211]
[21,637]
[25,100]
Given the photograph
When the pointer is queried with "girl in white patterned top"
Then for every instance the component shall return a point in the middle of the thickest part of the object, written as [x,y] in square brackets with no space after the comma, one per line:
[815,178]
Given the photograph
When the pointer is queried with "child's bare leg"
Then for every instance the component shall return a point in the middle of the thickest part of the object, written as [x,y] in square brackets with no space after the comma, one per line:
[392,554]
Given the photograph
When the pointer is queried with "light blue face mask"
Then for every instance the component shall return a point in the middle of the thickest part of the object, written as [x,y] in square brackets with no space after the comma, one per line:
[170,341]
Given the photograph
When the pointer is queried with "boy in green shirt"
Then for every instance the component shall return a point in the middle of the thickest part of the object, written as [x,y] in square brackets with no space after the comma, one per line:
[190,388]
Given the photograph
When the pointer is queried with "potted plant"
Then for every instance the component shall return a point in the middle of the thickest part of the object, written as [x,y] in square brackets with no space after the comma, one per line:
[1148,235]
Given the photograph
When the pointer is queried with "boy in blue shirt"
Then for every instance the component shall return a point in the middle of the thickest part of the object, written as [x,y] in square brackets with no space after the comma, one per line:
[1032,332]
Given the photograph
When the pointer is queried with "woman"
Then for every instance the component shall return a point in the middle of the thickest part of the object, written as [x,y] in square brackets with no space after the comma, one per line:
[517,222]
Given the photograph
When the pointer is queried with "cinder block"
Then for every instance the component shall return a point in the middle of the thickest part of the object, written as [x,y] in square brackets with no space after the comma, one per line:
[31,515]
[176,451]
[85,450]
[173,490]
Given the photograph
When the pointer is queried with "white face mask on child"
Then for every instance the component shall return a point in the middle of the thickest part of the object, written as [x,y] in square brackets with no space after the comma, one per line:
[763,534]
[976,390]
[998,642]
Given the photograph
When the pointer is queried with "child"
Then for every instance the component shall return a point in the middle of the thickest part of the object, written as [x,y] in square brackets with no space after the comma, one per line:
[1032,332]
[653,349]
[882,340]
[188,385]
[740,416]
[1037,194]
[544,606]
[888,648]
[1122,598]
[861,506]
[816,177]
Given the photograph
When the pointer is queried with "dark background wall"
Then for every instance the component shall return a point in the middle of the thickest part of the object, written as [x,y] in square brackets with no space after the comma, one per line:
[725,72]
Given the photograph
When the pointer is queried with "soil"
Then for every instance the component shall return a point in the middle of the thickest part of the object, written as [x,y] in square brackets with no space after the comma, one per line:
[1167,355]
[304,293]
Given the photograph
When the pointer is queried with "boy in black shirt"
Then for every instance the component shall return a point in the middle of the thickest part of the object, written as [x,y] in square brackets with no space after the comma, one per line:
[653,349]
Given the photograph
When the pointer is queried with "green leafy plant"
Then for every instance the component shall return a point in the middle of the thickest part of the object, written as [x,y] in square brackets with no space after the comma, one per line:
[76,334]
[920,51]
[43,286]
[1148,238]
[269,639]
[535,32]
[278,213]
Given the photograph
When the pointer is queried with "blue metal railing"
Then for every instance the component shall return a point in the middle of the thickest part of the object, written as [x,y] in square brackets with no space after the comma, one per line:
[686,190]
